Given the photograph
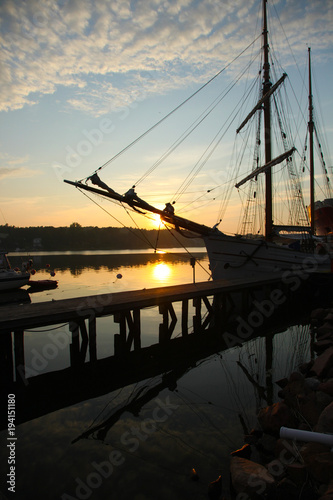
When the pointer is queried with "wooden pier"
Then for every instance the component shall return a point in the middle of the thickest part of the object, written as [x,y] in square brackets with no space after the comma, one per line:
[81,313]
[204,311]
[213,304]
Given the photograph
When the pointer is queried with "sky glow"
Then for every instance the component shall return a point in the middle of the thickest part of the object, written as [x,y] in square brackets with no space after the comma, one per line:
[82,79]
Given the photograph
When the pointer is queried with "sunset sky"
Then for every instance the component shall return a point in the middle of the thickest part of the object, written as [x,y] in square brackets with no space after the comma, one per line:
[82,79]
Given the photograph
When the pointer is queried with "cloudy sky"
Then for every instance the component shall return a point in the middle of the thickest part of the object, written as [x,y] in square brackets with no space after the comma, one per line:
[81,79]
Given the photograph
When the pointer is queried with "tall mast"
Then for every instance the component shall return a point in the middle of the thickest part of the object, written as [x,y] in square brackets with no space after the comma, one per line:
[267,125]
[310,127]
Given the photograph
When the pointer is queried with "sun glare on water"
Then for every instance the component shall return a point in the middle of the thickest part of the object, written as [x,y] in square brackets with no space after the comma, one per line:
[162,272]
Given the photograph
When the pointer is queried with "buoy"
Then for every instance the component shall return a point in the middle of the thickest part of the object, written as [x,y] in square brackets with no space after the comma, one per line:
[33,271]
[52,273]
[119,276]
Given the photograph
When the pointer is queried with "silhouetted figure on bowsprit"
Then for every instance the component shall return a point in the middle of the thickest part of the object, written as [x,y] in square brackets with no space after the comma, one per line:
[169,208]
[131,196]
[97,181]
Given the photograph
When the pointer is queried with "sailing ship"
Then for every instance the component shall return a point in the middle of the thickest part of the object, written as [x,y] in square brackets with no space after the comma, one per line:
[279,247]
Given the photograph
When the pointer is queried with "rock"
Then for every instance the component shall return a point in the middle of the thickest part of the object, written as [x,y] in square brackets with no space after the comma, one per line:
[276,468]
[286,490]
[325,421]
[312,383]
[323,399]
[253,437]
[329,317]
[273,417]
[244,452]
[296,388]
[318,313]
[309,408]
[329,489]
[286,453]
[318,461]
[326,387]
[328,493]
[296,377]
[321,467]
[303,426]
[267,445]
[297,473]
[310,449]
[249,477]
[325,334]
[215,489]
[305,367]
[325,329]
[323,363]
[322,345]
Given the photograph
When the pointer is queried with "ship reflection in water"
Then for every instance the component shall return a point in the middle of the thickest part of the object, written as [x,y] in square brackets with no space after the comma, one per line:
[136,428]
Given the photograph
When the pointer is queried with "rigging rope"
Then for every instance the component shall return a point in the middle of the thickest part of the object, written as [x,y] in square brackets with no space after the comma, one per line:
[173,111]
[211,147]
[117,220]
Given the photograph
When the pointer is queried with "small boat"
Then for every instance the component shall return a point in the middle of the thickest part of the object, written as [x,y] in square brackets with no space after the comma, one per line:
[276,234]
[11,279]
[38,285]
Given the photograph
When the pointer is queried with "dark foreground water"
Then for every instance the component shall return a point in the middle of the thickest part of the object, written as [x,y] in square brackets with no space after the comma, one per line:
[137,435]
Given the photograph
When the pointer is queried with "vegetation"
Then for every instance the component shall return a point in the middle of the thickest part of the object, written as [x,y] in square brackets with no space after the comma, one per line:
[76,237]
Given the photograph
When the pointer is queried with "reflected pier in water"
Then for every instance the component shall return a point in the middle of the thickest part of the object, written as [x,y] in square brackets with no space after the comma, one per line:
[44,393]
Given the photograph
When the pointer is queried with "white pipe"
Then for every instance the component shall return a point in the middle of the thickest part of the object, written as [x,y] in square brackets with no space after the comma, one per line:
[314,437]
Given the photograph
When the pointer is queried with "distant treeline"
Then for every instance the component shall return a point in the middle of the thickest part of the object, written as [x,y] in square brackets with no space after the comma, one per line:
[76,237]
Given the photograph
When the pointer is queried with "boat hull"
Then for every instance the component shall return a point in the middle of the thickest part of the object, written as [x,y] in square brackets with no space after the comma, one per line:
[237,257]
[11,280]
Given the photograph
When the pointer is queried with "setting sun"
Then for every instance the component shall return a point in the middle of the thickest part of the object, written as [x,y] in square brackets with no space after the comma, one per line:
[156,220]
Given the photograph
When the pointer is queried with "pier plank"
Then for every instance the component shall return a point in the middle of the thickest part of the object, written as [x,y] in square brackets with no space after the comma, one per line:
[57,311]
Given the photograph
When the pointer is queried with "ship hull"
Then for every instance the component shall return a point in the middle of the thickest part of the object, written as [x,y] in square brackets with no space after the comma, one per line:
[238,257]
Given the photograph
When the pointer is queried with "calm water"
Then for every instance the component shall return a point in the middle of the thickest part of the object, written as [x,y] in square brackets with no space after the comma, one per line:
[140,441]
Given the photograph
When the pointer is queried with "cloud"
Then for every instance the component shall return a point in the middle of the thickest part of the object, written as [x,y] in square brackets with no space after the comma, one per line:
[102,51]
[17,172]
[11,166]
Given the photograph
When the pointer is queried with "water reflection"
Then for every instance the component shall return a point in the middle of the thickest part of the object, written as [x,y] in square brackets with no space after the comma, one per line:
[136,428]
[152,431]
[162,272]
[90,273]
